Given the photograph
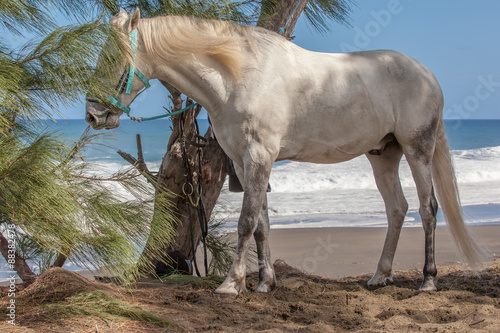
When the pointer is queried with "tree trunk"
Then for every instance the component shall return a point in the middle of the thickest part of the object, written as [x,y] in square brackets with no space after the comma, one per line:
[214,161]
[281,14]
[171,178]
[60,260]
[16,262]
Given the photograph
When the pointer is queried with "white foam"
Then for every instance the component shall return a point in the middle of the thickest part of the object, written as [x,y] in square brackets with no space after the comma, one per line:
[348,189]
[347,193]
[471,166]
[477,165]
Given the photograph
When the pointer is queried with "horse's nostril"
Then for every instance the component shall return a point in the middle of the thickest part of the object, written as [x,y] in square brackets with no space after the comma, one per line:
[90,119]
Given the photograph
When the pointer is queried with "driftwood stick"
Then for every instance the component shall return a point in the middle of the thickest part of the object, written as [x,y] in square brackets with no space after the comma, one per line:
[127,157]
[139,163]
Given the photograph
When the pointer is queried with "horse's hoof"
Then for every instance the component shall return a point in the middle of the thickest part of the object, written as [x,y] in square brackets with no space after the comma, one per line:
[265,287]
[267,281]
[230,289]
[428,285]
[378,281]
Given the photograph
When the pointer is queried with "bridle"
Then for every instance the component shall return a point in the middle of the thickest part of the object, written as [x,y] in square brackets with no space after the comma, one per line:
[125,83]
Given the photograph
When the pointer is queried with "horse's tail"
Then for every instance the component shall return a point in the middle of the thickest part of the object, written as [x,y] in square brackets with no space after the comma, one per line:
[445,183]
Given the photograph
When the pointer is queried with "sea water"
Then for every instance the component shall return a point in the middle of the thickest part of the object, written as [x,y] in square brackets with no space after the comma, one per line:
[320,195]
[345,194]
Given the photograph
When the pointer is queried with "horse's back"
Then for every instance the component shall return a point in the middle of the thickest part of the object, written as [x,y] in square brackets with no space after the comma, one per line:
[359,98]
[328,108]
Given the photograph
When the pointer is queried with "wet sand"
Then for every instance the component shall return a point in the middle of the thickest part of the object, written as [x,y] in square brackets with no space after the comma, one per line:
[342,251]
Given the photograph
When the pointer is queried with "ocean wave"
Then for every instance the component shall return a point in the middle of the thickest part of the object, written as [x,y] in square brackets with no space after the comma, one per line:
[477,165]
[478,154]
[471,166]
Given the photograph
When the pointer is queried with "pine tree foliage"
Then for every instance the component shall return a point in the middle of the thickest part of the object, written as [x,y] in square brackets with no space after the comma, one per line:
[211,9]
[320,14]
[55,200]
[41,76]
[33,15]
[60,206]
[16,15]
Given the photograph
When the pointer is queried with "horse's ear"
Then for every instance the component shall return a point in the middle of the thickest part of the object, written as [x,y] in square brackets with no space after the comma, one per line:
[122,13]
[118,19]
[134,20]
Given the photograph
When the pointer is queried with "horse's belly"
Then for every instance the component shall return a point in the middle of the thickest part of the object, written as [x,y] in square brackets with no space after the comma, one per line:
[323,158]
[336,137]
[313,151]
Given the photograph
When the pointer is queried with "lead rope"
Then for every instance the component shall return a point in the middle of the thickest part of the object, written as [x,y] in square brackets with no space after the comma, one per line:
[282,30]
[202,216]
[189,191]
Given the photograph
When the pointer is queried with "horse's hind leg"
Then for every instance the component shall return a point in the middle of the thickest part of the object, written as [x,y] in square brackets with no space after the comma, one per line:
[419,158]
[256,177]
[385,168]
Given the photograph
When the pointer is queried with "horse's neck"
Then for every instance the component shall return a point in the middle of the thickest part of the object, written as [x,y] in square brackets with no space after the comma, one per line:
[198,77]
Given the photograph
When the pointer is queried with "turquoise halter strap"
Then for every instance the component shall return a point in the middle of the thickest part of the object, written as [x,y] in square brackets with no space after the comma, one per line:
[170,114]
[128,76]
[132,70]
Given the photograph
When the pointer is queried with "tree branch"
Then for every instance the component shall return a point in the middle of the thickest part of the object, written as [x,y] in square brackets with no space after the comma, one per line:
[281,14]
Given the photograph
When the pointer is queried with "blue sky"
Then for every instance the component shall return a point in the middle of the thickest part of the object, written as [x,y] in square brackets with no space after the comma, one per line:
[459,41]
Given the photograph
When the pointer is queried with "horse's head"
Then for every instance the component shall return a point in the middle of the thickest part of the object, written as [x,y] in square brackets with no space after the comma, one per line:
[124,79]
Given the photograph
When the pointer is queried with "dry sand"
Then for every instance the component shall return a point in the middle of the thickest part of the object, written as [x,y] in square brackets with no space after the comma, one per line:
[301,303]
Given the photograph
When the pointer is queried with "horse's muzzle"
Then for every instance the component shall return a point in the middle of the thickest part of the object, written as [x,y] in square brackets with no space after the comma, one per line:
[99,117]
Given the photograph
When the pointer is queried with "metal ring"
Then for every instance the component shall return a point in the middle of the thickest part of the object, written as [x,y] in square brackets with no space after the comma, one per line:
[184,189]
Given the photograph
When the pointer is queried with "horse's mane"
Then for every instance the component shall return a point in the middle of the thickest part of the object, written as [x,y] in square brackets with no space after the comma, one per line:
[173,37]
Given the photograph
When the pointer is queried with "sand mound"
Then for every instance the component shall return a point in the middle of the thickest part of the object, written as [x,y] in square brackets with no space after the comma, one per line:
[284,270]
[56,285]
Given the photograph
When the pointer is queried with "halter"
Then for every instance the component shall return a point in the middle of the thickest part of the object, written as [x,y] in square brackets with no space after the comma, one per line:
[125,83]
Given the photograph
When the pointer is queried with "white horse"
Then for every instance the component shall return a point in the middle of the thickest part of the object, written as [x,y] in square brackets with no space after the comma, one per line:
[271,100]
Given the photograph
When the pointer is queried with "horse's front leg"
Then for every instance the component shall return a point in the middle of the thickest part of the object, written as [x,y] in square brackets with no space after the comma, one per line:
[267,277]
[256,176]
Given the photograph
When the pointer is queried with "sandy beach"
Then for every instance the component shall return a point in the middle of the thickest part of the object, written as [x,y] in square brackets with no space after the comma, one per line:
[321,288]
[339,252]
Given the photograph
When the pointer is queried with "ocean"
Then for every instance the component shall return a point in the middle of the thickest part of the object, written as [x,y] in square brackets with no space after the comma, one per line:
[317,195]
